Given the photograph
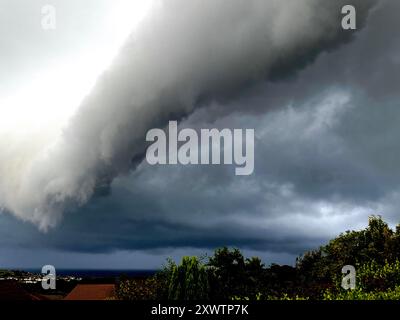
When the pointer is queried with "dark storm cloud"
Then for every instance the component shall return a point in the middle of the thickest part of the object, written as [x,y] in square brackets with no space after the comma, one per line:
[326,158]
[212,51]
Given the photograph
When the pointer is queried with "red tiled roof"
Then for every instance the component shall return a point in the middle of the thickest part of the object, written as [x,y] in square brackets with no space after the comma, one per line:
[91,292]
[12,291]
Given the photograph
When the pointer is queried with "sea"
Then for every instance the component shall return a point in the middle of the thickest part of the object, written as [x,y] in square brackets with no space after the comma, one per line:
[99,273]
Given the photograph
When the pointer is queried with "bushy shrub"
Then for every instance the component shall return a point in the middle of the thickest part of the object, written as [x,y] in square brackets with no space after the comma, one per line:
[137,289]
[373,282]
[186,281]
[359,294]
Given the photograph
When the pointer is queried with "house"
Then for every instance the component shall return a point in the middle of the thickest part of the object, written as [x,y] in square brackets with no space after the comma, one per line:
[13,291]
[92,292]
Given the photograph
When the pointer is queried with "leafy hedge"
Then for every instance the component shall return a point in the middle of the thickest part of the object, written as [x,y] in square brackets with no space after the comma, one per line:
[373,282]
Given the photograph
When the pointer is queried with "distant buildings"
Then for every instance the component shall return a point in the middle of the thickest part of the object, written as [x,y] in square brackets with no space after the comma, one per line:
[35,278]
[20,285]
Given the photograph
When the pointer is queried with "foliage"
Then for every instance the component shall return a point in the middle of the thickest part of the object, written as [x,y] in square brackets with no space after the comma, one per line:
[375,244]
[359,294]
[227,273]
[137,289]
[187,281]
[373,282]
[163,278]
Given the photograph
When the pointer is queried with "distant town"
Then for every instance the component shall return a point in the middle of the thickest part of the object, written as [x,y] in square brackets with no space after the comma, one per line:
[30,278]
[70,284]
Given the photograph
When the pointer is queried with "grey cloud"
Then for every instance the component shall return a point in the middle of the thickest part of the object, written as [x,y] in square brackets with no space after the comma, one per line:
[211,51]
[326,158]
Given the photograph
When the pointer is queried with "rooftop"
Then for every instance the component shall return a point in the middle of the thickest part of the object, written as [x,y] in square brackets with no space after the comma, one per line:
[91,292]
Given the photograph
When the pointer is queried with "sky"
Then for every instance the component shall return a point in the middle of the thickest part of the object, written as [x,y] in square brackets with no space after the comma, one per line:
[76,102]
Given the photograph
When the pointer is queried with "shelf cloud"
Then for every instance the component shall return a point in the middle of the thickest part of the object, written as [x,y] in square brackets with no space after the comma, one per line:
[213,51]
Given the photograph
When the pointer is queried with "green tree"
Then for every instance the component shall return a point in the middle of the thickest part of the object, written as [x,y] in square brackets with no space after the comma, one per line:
[228,273]
[374,281]
[188,281]
[377,243]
